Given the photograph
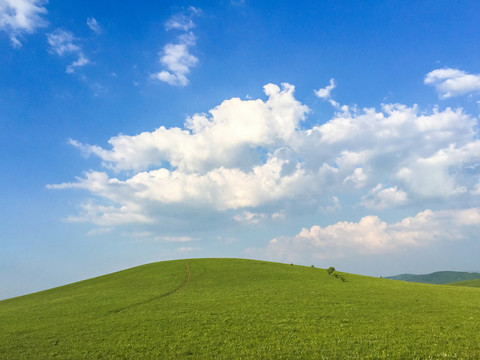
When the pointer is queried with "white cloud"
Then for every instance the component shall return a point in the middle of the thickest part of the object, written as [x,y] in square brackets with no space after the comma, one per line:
[178,60]
[176,57]
[182,21]
[432,176]
[64,43]
[21,16]
[324,93]
[93,24]
[371,235]
[227,139]
[332,206]
[379,198]
[476,189]
[110,215]
[175,239]
[81,61]
[452,82]
[279,216]
[248,217]
[358,178]
[184,249]
[247,154]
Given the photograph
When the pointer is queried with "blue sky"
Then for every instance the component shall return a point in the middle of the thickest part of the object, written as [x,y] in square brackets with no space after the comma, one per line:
[325,133]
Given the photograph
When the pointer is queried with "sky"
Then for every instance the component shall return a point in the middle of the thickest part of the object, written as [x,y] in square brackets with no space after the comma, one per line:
[326,133]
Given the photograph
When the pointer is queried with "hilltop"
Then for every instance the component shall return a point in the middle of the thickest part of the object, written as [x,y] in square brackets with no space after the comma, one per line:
[233,308]
[439,277]
[468,283]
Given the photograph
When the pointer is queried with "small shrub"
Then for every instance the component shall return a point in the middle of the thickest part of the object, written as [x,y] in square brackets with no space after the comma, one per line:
[331,271]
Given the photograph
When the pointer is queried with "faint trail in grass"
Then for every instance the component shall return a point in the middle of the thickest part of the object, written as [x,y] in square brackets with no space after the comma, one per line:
[168,293]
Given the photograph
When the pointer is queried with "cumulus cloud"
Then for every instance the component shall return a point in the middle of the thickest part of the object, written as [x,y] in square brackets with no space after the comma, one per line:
[358,178]
[379,198]
[249,154]
[227,139]
[178,60]
[452,82]
[21,16]
[432,176]
[64,43]
[371,235]
[176,57]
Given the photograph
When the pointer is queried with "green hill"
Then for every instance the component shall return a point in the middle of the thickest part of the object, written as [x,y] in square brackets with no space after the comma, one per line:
[439,277]
[468,283]
[240,309]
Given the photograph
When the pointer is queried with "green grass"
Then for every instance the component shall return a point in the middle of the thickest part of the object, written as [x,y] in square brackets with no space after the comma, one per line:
[468,283]
[241,309]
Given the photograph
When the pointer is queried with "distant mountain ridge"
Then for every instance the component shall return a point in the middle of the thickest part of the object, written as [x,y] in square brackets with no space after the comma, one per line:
[439,277]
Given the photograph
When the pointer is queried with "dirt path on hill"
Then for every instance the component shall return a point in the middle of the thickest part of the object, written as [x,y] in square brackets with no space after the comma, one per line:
[168,293]
[182,285]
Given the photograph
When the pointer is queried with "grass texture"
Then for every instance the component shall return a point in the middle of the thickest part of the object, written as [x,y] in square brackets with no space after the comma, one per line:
[469,283]
[241,309]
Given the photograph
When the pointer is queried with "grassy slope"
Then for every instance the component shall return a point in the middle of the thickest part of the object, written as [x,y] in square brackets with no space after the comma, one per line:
[468,283]
[439,277]
[233,308]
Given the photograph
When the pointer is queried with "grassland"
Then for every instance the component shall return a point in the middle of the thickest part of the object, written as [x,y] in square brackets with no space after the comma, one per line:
[241,309]
[468,283]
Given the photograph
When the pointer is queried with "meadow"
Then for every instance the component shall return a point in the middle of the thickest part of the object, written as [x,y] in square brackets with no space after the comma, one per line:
[241,309]
[469,283]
